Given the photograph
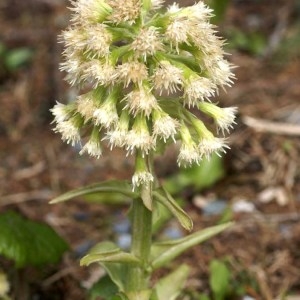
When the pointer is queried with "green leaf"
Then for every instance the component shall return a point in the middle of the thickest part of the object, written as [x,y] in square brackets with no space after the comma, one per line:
[107,198]
[116,271]
[167,200]
[2,49]
[200,177]
[17,57]
[204,297]
[113,186]
[104,288]
[147,197]
[108,252]
[170,286]
[219,7]
[139,295]
[219,279]
[162,253]
[120,296]
[29,243]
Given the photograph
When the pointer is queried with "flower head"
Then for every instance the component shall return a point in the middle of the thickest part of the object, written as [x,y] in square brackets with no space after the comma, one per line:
[69,131]
[93,147]
[106,114]
[157,4]
[164,126]
[177,32]
[74,65]
[141,68]
[89,11]
[140,100]
[139,138]
[198,89]
[93,38]
[86,106]
[147,42]
[124,11]
[220,72]
[132,71]
[223,117]
[141,176]
[188,153]
[99,73]
[117,135]
[208,146]
[61,112]
[167,77]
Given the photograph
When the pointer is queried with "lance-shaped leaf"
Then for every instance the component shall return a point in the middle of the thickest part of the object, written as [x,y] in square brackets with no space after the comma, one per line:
[110,253]
[167,200]
[162,253]
[112,186]
[116,271]
[170,286]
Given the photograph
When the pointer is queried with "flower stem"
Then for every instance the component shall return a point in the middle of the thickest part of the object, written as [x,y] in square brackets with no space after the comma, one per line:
[138,277]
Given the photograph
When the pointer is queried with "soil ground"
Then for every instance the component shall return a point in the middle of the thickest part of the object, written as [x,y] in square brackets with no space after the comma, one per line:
[261,249]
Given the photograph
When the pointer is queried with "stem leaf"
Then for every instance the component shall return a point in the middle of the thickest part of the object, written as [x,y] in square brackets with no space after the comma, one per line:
[170,286]
[162,253]
[110,253]
[162,196]
[111,186]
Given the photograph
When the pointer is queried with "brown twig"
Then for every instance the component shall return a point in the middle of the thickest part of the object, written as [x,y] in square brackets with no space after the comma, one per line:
[273,127]
[26,196]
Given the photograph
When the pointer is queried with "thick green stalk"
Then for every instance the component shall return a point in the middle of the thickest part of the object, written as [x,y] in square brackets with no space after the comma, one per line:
[141,244]
[138,277]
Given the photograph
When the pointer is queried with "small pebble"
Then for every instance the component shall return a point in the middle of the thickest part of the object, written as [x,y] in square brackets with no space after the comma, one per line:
[173,233]
[81,216]
[83,248]
[123,240]
[243,206]
[121,225]
[285,230]
[214,207]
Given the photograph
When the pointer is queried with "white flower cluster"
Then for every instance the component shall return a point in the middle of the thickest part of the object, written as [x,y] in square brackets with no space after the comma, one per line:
[143,69]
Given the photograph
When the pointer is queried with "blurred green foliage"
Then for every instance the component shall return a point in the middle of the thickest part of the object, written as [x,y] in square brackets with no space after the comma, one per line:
[219,7]
[104,288]
[199,177]
[288,49]
[219,279]
[29,243]
[252,42]
[13,59]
